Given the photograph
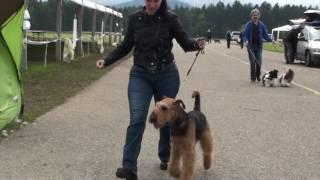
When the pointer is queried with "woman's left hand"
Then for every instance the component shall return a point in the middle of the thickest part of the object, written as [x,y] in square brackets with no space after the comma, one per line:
[201,43]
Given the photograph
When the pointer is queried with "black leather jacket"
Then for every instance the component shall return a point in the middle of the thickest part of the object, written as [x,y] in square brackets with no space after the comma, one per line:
[152,38]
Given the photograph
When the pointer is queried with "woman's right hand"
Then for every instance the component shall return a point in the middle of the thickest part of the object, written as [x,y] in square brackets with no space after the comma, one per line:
[100,64]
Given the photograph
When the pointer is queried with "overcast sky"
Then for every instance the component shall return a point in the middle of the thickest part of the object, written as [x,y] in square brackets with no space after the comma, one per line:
[201,2]
[282,2]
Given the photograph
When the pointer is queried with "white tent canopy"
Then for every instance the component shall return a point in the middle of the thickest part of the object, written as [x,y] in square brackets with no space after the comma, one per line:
[280,32]
[98,7]
[118,14]
[77,32]
[89,4]
[77,2]
[109,10]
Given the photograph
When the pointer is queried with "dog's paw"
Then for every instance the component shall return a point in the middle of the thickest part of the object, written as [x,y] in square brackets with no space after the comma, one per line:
[174,172]
[207,163]
[285,85]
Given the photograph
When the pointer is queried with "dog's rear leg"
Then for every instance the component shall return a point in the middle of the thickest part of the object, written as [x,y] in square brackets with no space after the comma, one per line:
[206,143]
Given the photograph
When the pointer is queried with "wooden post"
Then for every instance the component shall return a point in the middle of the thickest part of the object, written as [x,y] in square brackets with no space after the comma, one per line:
[116,30]
[24,65]
[121,29]
[105,26]
[25,51]
[58,29]
[110,30]
[79,29]
[26,2]
[94,26]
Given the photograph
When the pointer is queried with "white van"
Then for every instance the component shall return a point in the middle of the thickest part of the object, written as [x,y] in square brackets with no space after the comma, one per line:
[308,47]
[235,36]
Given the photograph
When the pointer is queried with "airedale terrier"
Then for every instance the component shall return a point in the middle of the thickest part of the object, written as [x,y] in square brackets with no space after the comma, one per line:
[187,129]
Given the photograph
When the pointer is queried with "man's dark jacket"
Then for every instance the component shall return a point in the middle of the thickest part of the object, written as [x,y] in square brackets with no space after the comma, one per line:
[152,38]
[292,36]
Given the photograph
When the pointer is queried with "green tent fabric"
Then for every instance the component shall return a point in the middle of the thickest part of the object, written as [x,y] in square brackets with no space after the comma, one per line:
[10,61]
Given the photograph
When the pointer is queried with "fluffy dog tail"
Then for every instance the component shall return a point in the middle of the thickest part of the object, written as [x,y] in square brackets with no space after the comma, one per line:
[196,96]
[289,75]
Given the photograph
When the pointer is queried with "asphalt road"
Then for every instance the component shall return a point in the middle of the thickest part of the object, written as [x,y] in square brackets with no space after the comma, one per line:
[259,133]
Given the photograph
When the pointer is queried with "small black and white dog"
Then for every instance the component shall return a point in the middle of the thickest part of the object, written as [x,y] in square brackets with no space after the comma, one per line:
[268,79]
[286,78]
[217,41]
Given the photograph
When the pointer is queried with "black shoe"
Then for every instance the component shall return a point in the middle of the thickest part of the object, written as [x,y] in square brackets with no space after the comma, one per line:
[164,166]
[126,173]
[258,79]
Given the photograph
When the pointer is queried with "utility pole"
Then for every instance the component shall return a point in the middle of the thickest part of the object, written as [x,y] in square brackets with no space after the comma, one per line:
[94,27]
[58,29]
[79,26]
[110,30]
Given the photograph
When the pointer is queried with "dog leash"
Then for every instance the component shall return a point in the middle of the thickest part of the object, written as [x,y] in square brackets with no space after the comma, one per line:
[252,54]
[188,73]
[197,54]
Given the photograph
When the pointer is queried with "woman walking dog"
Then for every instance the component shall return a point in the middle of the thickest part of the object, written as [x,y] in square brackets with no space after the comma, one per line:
[154,74]
[254,33]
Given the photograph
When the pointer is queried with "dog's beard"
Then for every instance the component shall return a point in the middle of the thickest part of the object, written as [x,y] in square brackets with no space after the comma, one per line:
[268,79]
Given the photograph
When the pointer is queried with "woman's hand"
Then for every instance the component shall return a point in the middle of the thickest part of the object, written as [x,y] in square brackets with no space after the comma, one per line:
[100,64]
[201,43]
[246,43]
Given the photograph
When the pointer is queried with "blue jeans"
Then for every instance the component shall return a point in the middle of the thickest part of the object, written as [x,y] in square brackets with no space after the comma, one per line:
[255,53]
[143,85]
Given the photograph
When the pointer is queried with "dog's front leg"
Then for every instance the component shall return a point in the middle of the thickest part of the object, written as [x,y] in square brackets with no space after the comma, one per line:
[188,160]
[174,162]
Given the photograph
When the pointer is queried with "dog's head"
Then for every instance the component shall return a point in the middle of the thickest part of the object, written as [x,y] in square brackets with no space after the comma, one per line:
[273,74]
[289,75]
[165,111]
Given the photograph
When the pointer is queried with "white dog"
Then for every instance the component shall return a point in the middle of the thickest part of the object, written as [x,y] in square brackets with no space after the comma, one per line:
[268,79]
[68,50]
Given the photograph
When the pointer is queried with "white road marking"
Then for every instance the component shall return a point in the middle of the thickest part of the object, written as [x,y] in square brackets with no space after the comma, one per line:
[307,88]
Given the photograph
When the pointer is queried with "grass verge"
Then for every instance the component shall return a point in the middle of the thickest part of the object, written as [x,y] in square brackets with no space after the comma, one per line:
[45,88]
[273,47]
[48,87]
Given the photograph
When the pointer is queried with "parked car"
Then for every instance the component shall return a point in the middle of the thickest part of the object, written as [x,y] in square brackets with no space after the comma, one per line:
[308,47]
[235,36]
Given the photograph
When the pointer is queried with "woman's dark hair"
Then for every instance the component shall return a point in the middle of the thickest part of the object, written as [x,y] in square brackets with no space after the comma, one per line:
[164,8]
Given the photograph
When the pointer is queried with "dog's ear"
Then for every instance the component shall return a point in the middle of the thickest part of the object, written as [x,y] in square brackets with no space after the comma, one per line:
[180,103]
[291,71]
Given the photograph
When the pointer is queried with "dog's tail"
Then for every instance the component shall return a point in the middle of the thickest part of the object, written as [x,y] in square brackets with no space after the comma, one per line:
[196,95]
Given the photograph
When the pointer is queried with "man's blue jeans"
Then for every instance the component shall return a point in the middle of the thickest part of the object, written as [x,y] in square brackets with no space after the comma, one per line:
[143,85]
[255,53]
